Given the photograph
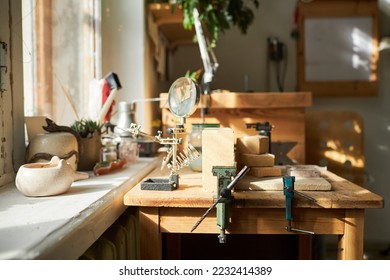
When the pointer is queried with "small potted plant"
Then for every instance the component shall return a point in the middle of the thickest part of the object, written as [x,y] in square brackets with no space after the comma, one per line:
[90,133]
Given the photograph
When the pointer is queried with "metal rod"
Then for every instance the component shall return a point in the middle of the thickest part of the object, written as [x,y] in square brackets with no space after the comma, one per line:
[305,196]
[240,174]
[289,228]
[301,230]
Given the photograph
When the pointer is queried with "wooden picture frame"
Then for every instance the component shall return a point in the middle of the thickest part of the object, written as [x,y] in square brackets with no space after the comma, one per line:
[338,47]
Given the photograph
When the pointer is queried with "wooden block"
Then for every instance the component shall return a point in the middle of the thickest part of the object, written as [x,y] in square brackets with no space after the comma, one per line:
[267,171]
[256,144]
[217,150]
[276,184]
[303,171]
[256,160]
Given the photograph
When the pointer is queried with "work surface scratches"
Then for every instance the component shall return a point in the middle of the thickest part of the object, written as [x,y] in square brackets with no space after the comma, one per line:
[276,184]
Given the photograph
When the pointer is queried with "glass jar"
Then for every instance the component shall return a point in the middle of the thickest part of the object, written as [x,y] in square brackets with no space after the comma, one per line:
[108,153]
[128,149]
[195,139]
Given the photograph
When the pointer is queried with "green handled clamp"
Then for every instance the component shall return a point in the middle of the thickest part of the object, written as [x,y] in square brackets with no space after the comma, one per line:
[225,186]
[224,175]
[288,191]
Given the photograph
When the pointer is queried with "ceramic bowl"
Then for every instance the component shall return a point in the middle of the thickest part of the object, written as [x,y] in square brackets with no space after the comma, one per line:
[47,179]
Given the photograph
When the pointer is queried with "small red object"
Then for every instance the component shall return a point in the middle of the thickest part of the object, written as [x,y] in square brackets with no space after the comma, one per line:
[107,166]
[105,93]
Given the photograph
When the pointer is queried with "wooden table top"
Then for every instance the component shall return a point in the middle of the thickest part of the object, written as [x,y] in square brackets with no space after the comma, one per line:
[252,100]
[190,194]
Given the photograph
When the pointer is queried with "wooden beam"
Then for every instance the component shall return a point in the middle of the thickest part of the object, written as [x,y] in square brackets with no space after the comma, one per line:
[351,242]
[150,236]
[43,31]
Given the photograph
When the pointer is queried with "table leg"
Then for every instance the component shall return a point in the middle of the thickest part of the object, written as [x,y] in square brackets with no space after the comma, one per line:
[150,235]
[350,245]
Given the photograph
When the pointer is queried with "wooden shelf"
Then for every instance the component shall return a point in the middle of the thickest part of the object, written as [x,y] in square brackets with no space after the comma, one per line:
[284,110]
[253,100]
[162,21]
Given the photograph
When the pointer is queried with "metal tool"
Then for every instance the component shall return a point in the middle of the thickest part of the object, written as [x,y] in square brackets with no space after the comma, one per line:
[224,175]
[288,191]
[173,160]
[224,198]
[264,129]
[183,98]
[210,63]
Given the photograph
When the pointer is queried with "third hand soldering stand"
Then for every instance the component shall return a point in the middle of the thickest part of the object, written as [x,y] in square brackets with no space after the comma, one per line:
[225,186]
[179,160]
[288,191]
[183,98]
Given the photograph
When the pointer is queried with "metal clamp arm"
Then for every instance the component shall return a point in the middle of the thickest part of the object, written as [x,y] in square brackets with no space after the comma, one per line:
[288,191]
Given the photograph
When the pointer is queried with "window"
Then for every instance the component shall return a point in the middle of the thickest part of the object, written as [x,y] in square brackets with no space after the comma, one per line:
[62,57]
[46,66]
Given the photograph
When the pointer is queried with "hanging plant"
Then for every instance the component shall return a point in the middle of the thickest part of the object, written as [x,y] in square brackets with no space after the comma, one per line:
[217,15]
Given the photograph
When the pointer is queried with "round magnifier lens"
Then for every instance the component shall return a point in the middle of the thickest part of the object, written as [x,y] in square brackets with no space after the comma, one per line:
[183,97]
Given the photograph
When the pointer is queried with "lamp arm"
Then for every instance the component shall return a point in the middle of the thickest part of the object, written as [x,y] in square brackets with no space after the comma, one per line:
[209,66]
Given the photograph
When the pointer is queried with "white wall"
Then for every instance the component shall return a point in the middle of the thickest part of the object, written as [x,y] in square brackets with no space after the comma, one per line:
[240,55]
[123,48]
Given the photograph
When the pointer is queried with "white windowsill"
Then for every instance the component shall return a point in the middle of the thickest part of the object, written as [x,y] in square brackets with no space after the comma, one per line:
[64,226]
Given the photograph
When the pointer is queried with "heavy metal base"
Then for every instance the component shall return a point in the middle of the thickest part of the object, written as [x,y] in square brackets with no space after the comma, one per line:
[161,184]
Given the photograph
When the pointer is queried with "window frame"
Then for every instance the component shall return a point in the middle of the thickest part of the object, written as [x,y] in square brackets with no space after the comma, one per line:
[55,92]
[11,113]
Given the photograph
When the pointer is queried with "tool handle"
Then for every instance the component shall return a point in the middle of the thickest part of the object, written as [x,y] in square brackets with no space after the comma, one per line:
[288,191]
[289,209]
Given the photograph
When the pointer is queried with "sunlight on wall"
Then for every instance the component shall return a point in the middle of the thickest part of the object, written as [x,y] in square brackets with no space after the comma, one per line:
[339,49]
[362,48]
[342,158]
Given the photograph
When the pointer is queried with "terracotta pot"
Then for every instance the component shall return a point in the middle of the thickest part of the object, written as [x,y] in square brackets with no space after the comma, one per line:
[90,152]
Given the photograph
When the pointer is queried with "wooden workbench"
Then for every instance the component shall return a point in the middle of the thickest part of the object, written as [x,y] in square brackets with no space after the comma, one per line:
[284,110]
[337,212]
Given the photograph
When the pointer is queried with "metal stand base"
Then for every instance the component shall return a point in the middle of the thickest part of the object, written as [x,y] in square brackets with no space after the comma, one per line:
[160,184]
